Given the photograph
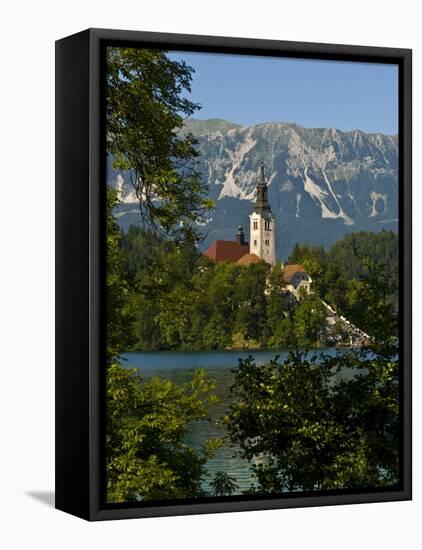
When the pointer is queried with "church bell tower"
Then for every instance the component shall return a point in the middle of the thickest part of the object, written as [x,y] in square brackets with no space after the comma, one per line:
[262,223]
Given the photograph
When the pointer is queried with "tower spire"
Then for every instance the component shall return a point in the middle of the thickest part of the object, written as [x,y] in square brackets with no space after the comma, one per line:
[262,203]
[262,174]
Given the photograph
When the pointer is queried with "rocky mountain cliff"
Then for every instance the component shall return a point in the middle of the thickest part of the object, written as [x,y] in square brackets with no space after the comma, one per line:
[323,183]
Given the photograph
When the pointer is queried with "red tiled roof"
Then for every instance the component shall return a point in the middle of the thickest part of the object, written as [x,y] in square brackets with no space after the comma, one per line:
[229,251]
[248,259]
[290,270]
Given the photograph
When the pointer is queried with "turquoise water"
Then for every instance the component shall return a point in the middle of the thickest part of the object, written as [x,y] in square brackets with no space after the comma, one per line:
[178,367]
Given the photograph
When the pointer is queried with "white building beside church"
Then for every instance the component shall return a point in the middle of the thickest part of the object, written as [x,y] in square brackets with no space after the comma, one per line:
[297,280]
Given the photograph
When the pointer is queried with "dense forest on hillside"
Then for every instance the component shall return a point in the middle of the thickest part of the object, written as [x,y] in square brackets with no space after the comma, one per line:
[182,300]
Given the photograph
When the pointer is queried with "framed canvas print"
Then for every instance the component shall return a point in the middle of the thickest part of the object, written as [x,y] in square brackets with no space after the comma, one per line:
[233,274]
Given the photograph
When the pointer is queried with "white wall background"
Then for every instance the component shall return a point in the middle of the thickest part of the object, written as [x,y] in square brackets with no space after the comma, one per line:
[28,32]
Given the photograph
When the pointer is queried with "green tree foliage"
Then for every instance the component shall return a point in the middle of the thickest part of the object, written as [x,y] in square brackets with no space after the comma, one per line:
[140,250]
[223,484]
[279,324]
[146,107]
[304,427]
[147,457]
[146,454]
[293,325]
[184,301]
[380,248]
[251,301]
[119,303]
[370,301]
[324,423]
[309,319]
[336,286]
[367,290]
[349,261]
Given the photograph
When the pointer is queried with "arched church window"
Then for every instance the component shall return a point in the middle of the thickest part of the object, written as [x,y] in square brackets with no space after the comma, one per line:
[255,225]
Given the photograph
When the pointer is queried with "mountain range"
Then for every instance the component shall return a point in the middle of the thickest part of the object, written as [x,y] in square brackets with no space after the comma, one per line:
[322,182]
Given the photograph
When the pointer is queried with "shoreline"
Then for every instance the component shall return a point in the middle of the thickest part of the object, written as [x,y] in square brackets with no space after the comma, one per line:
[242,350]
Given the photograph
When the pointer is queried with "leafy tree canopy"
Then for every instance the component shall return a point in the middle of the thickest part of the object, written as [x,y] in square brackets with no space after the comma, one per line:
[120,312]
[146,454]
[146,107]
[303,425]
[325,423]
[147,457]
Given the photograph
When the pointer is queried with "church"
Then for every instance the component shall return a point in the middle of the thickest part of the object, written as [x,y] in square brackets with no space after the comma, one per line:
[261,245]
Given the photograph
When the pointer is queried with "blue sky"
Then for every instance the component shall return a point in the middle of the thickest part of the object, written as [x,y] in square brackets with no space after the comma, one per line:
[249,90]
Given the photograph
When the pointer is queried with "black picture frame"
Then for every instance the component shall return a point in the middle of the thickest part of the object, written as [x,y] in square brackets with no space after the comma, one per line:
[80,209]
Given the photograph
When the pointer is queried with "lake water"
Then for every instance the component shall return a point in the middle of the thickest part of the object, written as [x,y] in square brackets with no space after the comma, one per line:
[178,367]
